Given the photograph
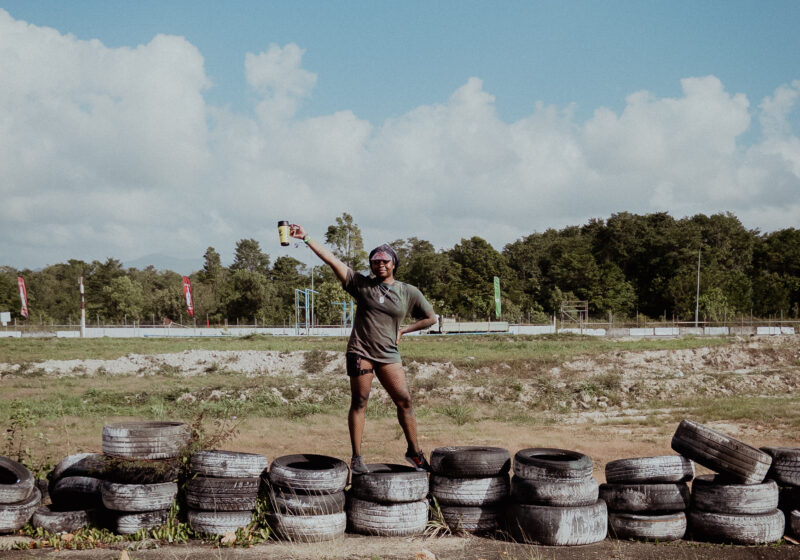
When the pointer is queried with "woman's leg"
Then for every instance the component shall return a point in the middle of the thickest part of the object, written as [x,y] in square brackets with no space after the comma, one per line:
[360,386]
[393,379]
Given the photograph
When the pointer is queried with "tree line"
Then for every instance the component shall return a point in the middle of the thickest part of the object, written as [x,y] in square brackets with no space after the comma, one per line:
[626,265]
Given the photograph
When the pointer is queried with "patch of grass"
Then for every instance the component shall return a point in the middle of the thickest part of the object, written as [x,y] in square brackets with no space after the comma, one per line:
[458,413]
[315,361]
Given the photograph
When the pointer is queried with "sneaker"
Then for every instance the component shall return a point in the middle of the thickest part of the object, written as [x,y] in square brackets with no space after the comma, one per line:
[357,465]
[418,461]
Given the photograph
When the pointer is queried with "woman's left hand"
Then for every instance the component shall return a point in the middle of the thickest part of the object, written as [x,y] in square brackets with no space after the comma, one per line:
[400,333]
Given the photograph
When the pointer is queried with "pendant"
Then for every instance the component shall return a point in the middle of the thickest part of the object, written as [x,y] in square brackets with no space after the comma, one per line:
[381,300]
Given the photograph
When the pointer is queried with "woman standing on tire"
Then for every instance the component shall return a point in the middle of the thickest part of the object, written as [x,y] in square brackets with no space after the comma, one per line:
[383,303]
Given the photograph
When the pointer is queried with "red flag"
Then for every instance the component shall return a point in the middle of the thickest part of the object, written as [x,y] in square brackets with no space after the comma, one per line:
[23,297]
[187,293]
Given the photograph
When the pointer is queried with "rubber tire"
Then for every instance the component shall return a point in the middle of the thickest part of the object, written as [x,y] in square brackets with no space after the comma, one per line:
[789,499]
[388,483]
[558,526]
[138,497]
[721,453]
[736,529]
[473,519]
[79,464]
[228,464]
[16,481]
[218,522]
[387,520]
[710,493]
[289,502]
[129,523]
[145,440]
[785,468]
[60,521]
[470,491]
[141,471]
[560,493]
[543,463]
[76,492]
[649,470]
[309,473]
[470,461]
[793,519]
[15,516]
[662,528]
[308,528]
[222,494]
[646,498]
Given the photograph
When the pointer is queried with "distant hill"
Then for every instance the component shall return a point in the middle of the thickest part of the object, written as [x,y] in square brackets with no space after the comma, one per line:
[166,262]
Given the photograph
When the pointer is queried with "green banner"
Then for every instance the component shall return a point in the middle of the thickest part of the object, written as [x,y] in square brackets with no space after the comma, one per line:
[497,297]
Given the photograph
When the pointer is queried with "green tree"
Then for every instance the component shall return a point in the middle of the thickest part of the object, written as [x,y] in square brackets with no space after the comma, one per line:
[248,256]
[126,298]
[345,239]
[249,295]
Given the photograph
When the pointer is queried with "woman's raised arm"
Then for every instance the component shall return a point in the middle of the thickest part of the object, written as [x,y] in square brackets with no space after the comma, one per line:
[339,268]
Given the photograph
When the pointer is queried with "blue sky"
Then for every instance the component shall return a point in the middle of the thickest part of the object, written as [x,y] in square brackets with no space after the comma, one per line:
[392,100]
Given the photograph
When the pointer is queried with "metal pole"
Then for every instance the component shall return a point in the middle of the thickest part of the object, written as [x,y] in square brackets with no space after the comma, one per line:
[697,298]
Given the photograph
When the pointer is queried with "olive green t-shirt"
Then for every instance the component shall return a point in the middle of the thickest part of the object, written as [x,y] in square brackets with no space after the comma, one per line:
[380,310]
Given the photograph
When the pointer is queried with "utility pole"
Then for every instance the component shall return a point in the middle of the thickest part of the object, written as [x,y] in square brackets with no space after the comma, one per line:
[83,310]
[697,297]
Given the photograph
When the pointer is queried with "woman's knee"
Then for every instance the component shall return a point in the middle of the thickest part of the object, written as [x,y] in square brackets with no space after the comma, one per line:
[358,401]
[403,401]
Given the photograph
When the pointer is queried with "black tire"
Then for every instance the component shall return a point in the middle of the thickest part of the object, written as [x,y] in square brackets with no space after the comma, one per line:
[648,470]
[218,522]
[145,440]
[138,497]
[558,526]
[470,461]
[473,519]
[58,521]
[309,473]
[78,464]
[662,528]
[560,493]
[388,483]
[44,487]
[129,523]
[785,468]
[715,494]
[721,453]
[737,529]
[387,520]
[308,528]
[793,519]
[289,502]
[141,471]
[16,481]
[541,463]
[650,498]
[76,492]
[470,491]
[789,499]
[228,464]
[222,494]
[15,516]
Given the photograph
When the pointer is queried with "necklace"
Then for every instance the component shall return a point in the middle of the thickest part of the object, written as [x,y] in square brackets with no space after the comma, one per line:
[384,293]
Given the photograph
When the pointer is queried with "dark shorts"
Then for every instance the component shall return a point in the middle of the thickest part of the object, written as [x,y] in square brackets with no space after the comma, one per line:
[353,362]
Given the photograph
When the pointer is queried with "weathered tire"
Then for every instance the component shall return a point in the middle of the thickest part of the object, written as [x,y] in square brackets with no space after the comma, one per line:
[138,497]
[710,493]
[558,526]
[309,473]
[651,498]
[667,527]
[470,461]
[308,528]
[736,529]
[14,516]
[78,464]
[129,523]
[648,470]
[542,463]
[469,491]
[473,519]
[58,521]
[785,468]
[560,493]
[387,520]
[228,464]
[721,453]
[222,494]
[793,518]
[76,492]
[145,440]
[387,483]
[140,471]
[289,502]
[218,522]
[16,481]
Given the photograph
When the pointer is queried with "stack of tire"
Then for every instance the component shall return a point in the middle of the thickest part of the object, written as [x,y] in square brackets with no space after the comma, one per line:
[307,497]
[735,505]
[785,471]
[388,501]
[223,491]
[141,466]
[647,497]
[19,496]
[554,499]
[74,491]
[471,486]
